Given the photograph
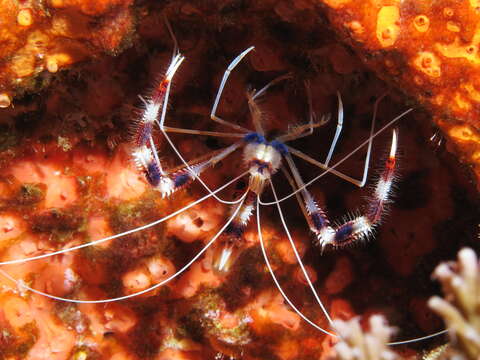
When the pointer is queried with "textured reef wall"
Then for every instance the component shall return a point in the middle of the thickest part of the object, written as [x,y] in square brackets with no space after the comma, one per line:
[38,36]
[430,50]
[67,178]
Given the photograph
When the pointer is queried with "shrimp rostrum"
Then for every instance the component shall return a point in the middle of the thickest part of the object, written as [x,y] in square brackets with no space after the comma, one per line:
[263,157]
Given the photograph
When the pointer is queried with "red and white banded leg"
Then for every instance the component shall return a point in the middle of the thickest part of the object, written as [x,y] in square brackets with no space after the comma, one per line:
[361,226]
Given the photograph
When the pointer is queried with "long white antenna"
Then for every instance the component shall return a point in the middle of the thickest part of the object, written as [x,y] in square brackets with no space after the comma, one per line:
[128,232]
[299,259]
[279,287]
[190,168]
[103,301]
[358,148]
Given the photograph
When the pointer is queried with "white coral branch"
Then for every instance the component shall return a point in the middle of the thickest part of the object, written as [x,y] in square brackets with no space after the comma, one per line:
[355,344]
[461,307]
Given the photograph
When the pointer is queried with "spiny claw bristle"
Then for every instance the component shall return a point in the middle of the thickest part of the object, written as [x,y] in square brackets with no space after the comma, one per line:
[142,156]
[166,186]
[325,237]
[310,204]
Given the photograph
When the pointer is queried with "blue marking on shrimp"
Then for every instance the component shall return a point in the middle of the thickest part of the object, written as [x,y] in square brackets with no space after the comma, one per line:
[254,138]
[280,147]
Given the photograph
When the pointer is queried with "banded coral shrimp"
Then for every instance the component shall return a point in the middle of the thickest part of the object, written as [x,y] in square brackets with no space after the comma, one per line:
[112,312]
[263,159]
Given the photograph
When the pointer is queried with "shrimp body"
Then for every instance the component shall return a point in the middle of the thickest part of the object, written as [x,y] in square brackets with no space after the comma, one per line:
[262,158]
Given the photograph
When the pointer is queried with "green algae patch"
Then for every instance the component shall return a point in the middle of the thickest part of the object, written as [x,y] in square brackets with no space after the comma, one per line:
[17,344]
[64,143]
[84,353]
[8,138]
[130,215]
[58,224]
[205,318]
[30,194]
